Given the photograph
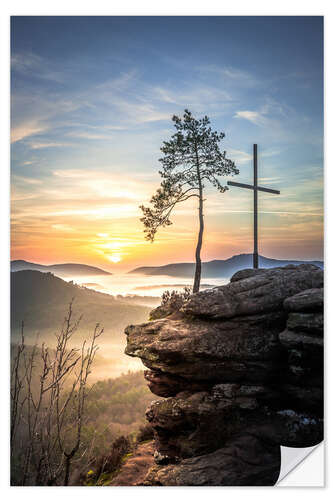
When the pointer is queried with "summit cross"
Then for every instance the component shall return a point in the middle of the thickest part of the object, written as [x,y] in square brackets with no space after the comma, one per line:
[255,189]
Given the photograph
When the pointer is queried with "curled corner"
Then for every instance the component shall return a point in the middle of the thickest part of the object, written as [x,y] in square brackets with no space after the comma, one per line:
[292,458]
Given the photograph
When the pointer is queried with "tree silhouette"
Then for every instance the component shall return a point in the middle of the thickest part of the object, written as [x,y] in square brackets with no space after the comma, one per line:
[191,157]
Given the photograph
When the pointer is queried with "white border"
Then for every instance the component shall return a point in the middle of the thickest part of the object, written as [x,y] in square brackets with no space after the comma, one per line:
[144,7]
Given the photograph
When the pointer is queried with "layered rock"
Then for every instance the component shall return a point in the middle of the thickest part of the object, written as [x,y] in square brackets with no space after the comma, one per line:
[303,341]
[239,348]
[240,367]
[252,291]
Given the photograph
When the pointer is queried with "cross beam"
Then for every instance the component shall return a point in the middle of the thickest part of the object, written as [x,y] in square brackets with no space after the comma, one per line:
[249,186]
[255,189]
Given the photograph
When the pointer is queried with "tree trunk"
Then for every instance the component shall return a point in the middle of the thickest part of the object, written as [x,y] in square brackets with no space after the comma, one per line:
[38,481]
[67,468]
[197,274]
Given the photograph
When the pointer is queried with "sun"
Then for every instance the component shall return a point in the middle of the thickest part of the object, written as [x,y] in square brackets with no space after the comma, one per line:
[115,257]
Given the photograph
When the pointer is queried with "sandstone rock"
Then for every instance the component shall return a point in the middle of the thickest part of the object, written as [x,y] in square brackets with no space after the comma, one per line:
[166,309]
[199,423]
[304,347]
[305,358]
[306,301]
[165,384]
[296,429]
[312,323]
[194,424]
[247,273]
[288,427]
[301,375]
[299,340]
[306,399]
[254,291]
[197,350]
[232,391]
[241,370]
[243,461]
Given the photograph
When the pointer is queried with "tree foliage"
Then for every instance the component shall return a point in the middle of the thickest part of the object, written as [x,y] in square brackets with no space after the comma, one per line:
[191,158]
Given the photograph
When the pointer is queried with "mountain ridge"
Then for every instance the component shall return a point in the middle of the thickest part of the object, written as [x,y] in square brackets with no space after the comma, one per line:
[218,268]
[66,269]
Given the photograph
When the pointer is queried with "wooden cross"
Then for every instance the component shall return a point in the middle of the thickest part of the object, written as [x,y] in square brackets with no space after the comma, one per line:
[255,189]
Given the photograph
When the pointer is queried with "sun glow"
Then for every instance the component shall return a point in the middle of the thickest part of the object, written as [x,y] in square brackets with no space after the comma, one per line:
[116,249]
[115,257]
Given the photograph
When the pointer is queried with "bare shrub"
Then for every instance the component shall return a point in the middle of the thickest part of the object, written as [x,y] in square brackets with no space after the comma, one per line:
[109,463]
[48,394]
[171,302]
[145,433]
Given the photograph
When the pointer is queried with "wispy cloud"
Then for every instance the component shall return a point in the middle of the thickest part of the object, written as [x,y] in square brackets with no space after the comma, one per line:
[243,157]
[119,83]
[26,180]
[62,227]
[41,113]
[231,76]
[89,135]
[256,117]
[270,114]
[239,157]
[197,95]
[99,184]
[27,129]
[32,64]
[44,145]
[270,180]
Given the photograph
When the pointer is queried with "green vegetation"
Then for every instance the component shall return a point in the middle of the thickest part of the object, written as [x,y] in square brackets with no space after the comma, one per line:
[106,467]
[171,302]
[115,407]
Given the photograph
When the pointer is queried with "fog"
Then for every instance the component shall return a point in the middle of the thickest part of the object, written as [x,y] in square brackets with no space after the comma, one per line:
[139,284]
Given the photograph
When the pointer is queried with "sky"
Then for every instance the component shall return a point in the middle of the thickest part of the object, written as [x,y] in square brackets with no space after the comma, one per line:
[91,103]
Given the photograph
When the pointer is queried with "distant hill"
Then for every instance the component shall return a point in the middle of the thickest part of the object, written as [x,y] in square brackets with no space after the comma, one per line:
[41,300]
[217,268]
[62,270]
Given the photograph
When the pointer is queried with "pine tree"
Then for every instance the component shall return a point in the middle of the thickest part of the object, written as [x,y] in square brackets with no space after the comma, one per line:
[191,157]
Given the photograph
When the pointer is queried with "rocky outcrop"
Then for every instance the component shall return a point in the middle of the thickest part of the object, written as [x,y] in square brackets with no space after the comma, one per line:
[240,367]
[253,291]
[243,347]
[307,301]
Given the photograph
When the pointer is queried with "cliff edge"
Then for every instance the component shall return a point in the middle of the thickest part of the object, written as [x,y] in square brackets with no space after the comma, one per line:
[240,368]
